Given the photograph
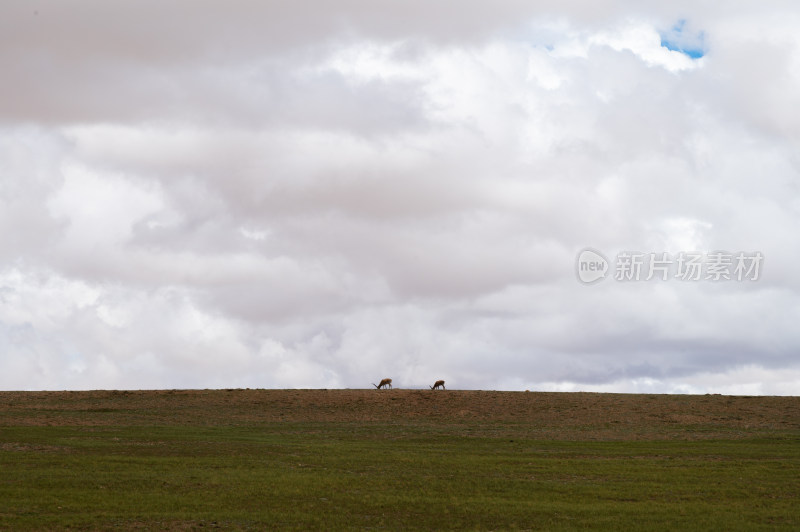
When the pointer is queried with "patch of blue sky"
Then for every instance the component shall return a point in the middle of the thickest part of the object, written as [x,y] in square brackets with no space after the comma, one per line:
[682,38]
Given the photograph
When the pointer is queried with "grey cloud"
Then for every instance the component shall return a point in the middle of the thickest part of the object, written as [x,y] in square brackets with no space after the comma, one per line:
[210,199]
[153,61]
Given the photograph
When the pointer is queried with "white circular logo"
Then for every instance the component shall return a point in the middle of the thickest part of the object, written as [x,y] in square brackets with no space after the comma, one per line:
[591,266]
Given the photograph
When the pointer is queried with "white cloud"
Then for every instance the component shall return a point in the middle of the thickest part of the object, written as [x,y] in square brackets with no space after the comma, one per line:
[277,197]
[100,211]
[645,42]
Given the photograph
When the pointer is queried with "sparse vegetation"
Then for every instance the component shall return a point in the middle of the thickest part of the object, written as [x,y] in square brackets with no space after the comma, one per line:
[409,459]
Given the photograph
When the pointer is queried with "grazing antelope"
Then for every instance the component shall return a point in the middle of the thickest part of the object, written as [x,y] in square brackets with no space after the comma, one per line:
[384,383]
[438,384]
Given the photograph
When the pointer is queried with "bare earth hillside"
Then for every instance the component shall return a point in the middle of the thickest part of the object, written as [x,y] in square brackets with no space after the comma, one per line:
[538,415]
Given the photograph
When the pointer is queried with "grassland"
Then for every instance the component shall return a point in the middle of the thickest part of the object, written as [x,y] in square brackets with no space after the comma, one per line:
[397,460]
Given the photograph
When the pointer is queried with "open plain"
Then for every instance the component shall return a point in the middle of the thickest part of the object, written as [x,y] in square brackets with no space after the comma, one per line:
[397,460]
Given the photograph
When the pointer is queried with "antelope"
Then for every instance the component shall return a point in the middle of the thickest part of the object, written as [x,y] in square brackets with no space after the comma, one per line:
[384,383]
[438,384]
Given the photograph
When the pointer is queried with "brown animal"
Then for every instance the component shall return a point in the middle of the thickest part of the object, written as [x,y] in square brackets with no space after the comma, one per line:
[438,384]
[384,383]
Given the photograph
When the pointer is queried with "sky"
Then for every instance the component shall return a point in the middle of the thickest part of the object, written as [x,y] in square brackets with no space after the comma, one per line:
[256,194]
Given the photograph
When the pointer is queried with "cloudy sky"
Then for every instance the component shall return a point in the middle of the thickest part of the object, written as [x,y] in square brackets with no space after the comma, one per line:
[321,194]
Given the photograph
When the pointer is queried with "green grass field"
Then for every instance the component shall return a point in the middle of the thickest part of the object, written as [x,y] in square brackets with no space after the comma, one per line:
[155,461]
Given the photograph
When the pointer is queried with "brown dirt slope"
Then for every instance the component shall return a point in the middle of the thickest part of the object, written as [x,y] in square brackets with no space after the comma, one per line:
[539,414]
